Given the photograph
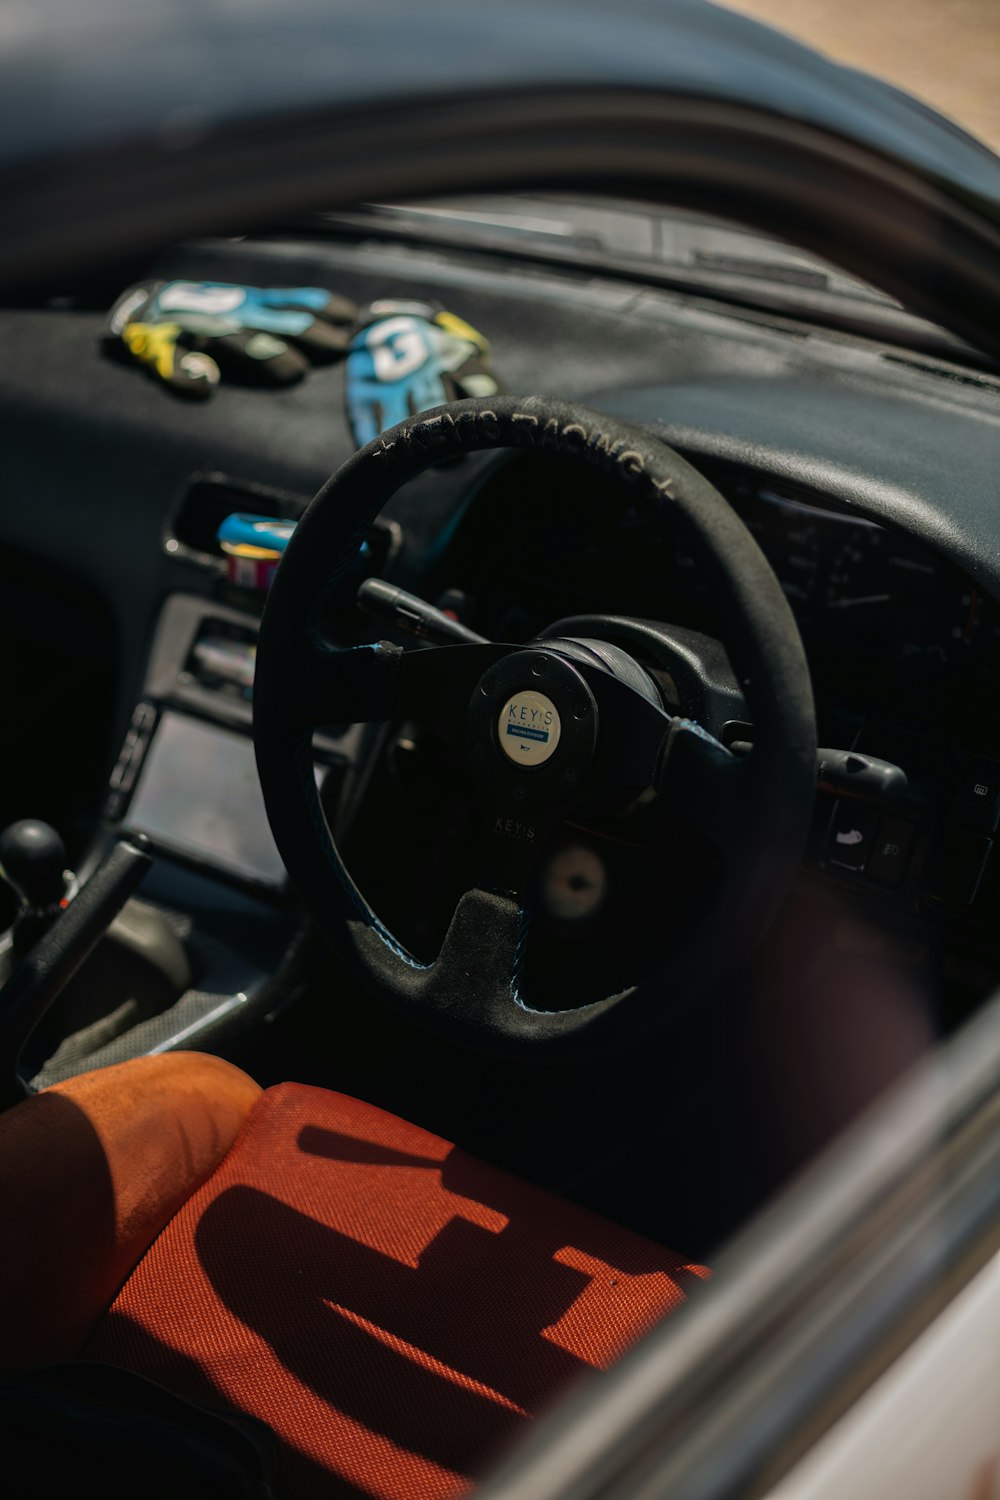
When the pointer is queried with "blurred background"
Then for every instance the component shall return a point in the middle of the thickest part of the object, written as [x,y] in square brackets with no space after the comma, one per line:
[946,52]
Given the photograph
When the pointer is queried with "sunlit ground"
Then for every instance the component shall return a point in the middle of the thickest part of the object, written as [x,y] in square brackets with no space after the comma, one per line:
[946,52]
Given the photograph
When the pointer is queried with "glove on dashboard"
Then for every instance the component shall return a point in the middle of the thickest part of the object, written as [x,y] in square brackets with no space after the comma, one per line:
[187,332]
[407,357]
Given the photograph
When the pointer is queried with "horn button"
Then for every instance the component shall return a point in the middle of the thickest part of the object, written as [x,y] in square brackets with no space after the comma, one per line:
[533,724]
[529,728]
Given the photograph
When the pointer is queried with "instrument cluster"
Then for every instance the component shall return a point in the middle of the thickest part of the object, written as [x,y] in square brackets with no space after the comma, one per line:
[866,586]
[877,608]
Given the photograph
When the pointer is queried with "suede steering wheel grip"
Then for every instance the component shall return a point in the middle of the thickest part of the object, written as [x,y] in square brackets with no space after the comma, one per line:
[760,808]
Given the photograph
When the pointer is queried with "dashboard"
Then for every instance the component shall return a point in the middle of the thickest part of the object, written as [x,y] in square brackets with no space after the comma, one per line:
[864,465]
[858,587]
[868,479]
[869,599]
[903,648]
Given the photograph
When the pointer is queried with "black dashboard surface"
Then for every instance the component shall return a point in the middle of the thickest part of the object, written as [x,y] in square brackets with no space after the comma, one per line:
[95,454]
[97,458]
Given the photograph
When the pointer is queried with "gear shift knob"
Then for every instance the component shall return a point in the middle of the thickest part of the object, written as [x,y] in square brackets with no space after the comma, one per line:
[33,860]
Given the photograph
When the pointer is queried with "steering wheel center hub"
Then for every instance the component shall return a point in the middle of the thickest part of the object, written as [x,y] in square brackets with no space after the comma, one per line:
[529,728]
[536,700]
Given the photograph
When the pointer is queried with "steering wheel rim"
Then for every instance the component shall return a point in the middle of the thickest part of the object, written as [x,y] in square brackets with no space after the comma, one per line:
[767,799]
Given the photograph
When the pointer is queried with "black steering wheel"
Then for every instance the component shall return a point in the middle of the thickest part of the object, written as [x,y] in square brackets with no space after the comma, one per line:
[543,731]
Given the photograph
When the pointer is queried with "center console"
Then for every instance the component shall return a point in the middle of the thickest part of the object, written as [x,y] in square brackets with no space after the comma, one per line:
[186,779]
[186,775]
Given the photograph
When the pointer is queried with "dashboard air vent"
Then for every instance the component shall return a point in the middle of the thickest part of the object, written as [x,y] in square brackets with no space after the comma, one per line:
[208,500]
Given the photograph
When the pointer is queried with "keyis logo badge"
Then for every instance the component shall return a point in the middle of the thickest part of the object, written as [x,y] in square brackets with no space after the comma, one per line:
[529,728]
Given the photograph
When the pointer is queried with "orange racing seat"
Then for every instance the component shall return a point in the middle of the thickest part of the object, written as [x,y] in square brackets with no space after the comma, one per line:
[394,1309]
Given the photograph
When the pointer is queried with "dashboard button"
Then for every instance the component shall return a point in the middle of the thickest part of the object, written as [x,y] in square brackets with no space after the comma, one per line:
[891,850]
[958,866]
[851,834]
[978,800]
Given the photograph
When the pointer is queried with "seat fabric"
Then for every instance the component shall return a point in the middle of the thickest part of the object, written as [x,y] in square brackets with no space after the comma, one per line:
[91,1170]
[394,1309]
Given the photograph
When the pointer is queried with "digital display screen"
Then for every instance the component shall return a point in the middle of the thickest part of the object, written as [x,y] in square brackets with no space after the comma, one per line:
[198,792]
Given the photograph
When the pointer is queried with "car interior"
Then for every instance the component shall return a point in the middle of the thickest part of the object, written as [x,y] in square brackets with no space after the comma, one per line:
[705,961]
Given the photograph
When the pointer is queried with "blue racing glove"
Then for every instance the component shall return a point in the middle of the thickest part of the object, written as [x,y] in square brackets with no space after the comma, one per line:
[187,332]
[407,357]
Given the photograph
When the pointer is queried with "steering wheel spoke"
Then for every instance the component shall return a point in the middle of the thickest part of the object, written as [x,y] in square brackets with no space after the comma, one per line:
[633,733]
[701,783]
[350,685]
[434,685]
[365,684]
[512,836]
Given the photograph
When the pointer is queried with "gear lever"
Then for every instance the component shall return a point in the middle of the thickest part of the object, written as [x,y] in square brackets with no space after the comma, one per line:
[33,861]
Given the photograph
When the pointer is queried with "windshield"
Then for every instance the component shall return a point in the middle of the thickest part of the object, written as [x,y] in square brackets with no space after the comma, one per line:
[651,246]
